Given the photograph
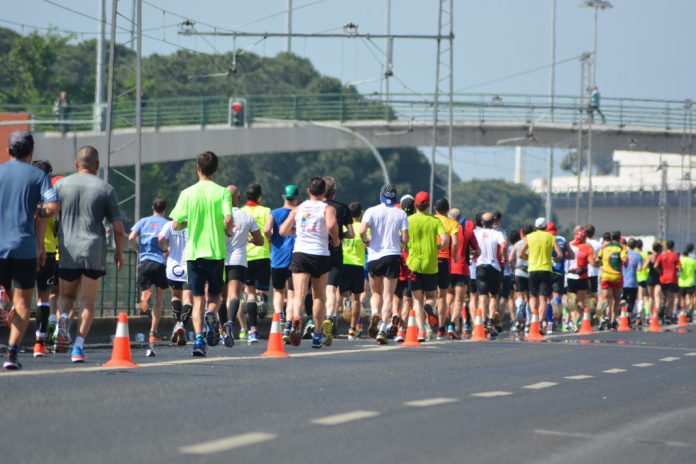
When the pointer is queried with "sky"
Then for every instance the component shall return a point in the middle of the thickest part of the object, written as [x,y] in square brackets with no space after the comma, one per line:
[645,48]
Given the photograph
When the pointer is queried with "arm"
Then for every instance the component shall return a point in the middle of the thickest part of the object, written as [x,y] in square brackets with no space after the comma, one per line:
[332,225]
[133,240]
[163,243]
[363,233]
[404,238]
[256,238]
[288,226]
[120,241]
[569,254]
[41,225]
[559,252]
[512,257]
[229,225]
[455,246]
[268,228]
[523,250]
[349,233]
[444,241]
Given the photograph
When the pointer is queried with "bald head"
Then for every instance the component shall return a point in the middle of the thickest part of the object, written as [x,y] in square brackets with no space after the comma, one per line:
[87,159]
[455,214]
[235,194]
[487,220]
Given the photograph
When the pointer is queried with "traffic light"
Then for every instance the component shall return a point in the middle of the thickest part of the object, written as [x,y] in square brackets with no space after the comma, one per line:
[237,112]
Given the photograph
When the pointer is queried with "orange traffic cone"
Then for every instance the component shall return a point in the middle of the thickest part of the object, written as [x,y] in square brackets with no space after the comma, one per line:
[534,334]
[412,331]
[275,340]
[623,321]
[683,321]
[478,335]
[654,322]
[586,326]
[121,354]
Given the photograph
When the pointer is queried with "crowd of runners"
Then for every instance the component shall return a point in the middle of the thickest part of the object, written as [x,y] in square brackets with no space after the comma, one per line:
[323,258]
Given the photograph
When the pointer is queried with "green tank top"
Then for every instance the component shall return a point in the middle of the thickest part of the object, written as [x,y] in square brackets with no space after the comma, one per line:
[354,248]
[642,275]
[260,214]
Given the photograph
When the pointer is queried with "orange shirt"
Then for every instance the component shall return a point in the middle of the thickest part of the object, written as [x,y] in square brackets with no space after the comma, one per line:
[451,228]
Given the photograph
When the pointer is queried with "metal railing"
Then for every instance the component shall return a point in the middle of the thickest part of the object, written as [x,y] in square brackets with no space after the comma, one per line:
[520,108]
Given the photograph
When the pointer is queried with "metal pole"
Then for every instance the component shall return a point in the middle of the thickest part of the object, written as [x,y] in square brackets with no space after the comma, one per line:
[450,134]
[133,20]
[552,93]
[594,49]
[138,105]
[589,168]
[436,105]
[388,46]
[99,80]
[110,87]
[579,148]
[288,39]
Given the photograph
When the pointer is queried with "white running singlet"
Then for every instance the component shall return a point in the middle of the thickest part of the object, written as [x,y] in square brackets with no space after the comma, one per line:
[312,235]
[176,264]
[244,224]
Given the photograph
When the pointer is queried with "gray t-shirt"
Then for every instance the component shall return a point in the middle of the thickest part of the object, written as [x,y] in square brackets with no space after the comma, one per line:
[85,201]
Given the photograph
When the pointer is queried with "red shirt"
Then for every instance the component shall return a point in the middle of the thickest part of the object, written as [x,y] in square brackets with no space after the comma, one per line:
[405,274]
[466,239]
[668,262]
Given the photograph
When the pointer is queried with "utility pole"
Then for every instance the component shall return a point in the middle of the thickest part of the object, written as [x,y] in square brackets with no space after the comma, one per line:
[662,204]
[581,110]
[436,103]
[110,87]
[288,28]
[389,43]
[552,93]
[590,120]
[98,111]
[450,130]
[138,104]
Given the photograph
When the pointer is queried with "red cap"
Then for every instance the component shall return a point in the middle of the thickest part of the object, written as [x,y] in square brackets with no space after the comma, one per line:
[580,236]
[551,227]
[422,198]
[55,179]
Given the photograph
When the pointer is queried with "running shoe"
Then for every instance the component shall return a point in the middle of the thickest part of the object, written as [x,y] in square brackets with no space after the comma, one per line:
[334,326]
[286,333]
[243,334]
[154,338]
[199,347]
[328,332]
[382,337]
[373,329]
[150,352]
[40,350]
[316,340]
[513,327]
[78,355]
[63,334]
[603,324]
[431,315]
[11,363]
[212,329]
[262,305]
[400,336]
[228,337]
[309,330]
[296,333]
[452,333]
[490,327]
[467,328]
[351,333]
[441,333]
[50,333]
[421,336]
[358,329]
[394,327]
[253,337]
[179,334]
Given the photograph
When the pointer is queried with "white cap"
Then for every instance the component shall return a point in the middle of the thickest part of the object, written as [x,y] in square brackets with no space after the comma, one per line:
[540,222]
[407,196]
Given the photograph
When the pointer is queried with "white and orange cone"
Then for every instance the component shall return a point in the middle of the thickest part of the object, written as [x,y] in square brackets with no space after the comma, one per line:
[121,354]
[534,334]
[276,348]
[478,335]
[623,321]
[586,326]
[411,331]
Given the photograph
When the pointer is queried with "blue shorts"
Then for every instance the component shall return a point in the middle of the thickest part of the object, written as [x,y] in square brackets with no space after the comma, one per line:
[206,271]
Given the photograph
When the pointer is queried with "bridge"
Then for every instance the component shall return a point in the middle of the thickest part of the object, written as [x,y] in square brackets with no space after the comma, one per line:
[177,129]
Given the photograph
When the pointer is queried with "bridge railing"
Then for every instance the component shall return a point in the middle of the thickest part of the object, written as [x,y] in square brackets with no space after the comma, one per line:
[518,108]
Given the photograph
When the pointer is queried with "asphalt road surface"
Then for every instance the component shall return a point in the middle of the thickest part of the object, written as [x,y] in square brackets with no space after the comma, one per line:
[609,397]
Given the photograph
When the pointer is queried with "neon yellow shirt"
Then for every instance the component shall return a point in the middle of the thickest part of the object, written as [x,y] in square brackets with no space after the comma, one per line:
[613,255]
[642,275]
[423,232]
[51,239]
[260,214]
[687,272]
[540,248]
[354,248]
[204,205]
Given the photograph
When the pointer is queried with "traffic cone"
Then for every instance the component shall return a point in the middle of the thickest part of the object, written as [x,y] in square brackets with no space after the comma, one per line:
[478,335]
[412,331]
[654,322]
[275,340]
[623,321]
[534,334]
[586,326]
[683,322]
[121,354]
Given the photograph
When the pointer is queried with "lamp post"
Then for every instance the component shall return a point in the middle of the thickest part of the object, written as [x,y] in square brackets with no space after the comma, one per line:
[597,5]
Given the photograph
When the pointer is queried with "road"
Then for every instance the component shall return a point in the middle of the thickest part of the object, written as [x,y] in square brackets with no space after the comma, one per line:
[609,397]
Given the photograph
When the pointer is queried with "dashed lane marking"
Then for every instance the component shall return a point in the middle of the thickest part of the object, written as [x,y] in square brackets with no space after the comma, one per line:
[430,402]
[615,370]
[491,394]
[669,359]
[643,365]
[693,353]
[226,444]
[339,419]
[540,385]
[579,377]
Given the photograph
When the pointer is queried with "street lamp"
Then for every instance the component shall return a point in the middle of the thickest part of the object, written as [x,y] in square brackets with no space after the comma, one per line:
[597,5]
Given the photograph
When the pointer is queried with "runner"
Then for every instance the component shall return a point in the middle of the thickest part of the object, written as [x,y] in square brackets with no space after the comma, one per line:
[24,192]
[205,209]
[653,282]
[668,266]
[352,284]
[314,223]
[85,202]
[521,271]
[152,267]
[345,230]
[281,257]
[460,273]
[538,248]
[630,284]
[555,310]
[258,275]
[403,299]
[443,264]
[488,268]
[686,279]
[245,232]
[577,277]
[424,232]
[593,271]
[614,258]
[173,242]
[642,277]
[388,232]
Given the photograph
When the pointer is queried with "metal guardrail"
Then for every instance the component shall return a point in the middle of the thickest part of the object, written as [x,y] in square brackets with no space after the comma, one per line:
[520,108]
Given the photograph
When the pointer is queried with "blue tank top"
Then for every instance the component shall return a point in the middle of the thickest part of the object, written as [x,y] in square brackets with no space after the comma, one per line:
[281,247]
[559,267]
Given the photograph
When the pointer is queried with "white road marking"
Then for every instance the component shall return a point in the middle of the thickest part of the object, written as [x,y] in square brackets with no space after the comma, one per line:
[588,436]
[669,359]
[579,377]
[556,433]
[615,370]
[491,394]
[693,353]
[226,444]
[540,385]
[339,419]
[643,365]
[430,402]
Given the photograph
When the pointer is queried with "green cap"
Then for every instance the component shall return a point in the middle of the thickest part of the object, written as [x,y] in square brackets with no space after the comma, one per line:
[291,192]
